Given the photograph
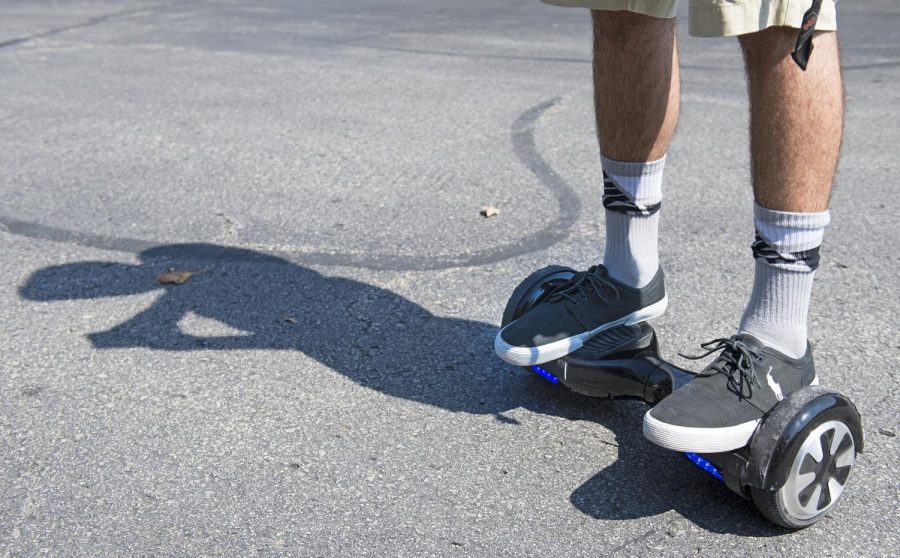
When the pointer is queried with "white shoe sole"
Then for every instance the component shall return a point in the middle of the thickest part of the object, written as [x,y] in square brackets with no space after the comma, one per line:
[527,356]
[700,440]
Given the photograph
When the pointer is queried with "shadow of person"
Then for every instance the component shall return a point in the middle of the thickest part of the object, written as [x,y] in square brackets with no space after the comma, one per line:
[647,480]
[373,336]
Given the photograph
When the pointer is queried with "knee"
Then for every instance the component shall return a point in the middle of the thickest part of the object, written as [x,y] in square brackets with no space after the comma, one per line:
[774,44]
[768,40]
[623,27]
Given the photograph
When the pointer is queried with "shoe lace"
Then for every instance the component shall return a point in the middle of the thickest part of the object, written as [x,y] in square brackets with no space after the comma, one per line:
[736,361]
[594,279]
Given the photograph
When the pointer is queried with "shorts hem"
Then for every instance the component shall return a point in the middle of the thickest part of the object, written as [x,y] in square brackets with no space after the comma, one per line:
[653,8]
[751,16]
[720,18]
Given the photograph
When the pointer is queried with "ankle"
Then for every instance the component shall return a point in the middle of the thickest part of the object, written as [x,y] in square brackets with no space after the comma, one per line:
[632,197]
[790,341]
[630,271]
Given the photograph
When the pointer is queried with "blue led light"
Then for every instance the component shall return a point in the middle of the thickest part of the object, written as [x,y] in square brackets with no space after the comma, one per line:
[547,375]
[704,464]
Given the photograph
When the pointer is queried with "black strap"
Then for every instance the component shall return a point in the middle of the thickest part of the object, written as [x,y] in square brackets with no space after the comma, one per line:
[804,47]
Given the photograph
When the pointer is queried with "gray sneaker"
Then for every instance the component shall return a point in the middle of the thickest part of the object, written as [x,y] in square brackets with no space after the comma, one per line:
[587,304]
[720,409]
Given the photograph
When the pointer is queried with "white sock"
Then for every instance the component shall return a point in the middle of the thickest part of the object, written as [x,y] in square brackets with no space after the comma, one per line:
[632,193]
[787,255]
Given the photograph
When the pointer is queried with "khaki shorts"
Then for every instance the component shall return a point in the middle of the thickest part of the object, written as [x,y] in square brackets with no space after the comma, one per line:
[721,18]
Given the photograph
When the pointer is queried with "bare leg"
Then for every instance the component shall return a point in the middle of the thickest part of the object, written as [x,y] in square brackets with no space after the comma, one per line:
[796,123]
[636,84]
[796,119]
[636,105]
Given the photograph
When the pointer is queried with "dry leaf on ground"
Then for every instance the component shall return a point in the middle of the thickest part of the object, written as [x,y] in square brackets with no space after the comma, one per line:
[173,277]
[488,212]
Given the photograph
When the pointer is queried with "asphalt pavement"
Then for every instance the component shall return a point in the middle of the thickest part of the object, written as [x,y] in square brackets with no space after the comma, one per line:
[324,382]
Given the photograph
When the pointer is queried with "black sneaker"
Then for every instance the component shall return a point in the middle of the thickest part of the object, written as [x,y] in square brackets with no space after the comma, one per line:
[720,409]
[589,303]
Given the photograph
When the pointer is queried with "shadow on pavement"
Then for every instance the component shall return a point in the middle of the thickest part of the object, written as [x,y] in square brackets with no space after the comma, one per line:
[385,342]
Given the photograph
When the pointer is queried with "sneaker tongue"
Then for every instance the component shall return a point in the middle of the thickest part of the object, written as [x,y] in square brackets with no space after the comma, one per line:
[725,358]
[598,270]
[750,341]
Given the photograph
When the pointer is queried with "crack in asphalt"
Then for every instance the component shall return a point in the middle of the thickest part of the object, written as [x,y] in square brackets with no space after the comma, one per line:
[643,536]
[90,22]
[366,329]
[582,60]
